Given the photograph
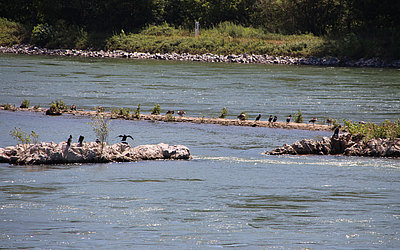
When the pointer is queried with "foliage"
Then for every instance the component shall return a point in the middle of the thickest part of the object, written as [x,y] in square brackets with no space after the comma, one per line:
[169,118]
[156,109]
[41,34]
[224,112]
[101,127]
[23,137]
[8,106]
[25,103]
[59,104]
[298,117]
[137,111]
[121,112]
[11,32]
[245,116]
[386,129]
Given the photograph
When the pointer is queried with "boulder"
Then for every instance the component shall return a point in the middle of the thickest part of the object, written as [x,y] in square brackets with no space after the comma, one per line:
[91,152]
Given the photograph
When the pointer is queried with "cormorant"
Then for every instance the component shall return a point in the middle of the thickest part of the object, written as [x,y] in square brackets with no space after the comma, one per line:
[170,112]
[73,107]
[288,118]
[241,117]
[313,120]
[336,132]
[98,141]
[275,119]
[69,140]
[124,137]
[329,121]
[80,140]
[181,112]
[270,118]
[258,117]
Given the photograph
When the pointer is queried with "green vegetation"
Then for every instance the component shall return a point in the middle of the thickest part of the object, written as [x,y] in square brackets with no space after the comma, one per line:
[25,103]
[224,113]
[23,137]
[385,130]
[156,109]
[8,106]
[344,28]
[137,111]
[298,117]
[169,118]
[121,112]
[59,104]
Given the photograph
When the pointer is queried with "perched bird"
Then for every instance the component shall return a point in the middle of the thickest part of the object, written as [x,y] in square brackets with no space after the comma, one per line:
[73,107]
[336,132]
[69,140]
[313,120]
[270,118]
[181,112]
[258,118]
[80,140]
[241,117]
[275,119]
[98,141]
[329,121]
[124,137]
[100,109]
[288,118]
[170,112]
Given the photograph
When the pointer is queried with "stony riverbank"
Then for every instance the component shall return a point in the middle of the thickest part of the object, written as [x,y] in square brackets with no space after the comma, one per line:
[90,152]
[346,144]
[199,120]
[208,57]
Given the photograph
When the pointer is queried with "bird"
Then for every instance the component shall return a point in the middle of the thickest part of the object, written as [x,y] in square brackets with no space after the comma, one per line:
[124,137]
[69,140]
[258,118]
[98,141]
[329,121]
[73,107]
[241,117]
[80,140]
[275,119]
[313,120]
[288,118]
[336,132]
[270,118]
[170,112]
[181,112]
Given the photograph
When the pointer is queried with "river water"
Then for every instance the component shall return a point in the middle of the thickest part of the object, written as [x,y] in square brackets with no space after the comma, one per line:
[229,195]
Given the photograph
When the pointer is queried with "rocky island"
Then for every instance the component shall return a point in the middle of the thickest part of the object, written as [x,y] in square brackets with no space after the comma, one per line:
[345,144]
[90,152]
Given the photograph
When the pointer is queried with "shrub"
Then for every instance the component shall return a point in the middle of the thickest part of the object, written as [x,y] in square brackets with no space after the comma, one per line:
[101,127]
[156,109]
[224,112]
[25,103]
[59,104]
[23,137]
[41,34]
[121,112]
[11,32]
[298,117]
[384,130]
[137,112]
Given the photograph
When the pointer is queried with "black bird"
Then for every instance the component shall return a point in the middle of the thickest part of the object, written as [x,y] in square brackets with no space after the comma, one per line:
[336,132]
[80,140]
[98,141]
[313,120]
[288,118]
[124,137]
[73,107]
[241,117]
[270,118]
[275,119]
[181,112]
[329,121]
[258,117]
[69,140]
[170,112]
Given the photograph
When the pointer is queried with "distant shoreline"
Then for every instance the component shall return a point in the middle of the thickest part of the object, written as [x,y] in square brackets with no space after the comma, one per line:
[198,120]
[208,57]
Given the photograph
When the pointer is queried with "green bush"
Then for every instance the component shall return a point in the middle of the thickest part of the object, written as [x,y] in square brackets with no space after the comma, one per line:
[384,130]
[156,109]
[121,112]
[224,112]
[11,32]
[41,34]
[23,137]
[298,117]
[25,103]
[59,104]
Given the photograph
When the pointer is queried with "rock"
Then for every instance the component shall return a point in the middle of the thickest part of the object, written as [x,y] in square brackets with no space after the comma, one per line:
[91,152]
[346,144]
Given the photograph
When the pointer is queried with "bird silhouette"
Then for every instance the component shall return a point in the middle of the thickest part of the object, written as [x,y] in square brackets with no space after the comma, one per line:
[288,118]
[329,121]
[80,140]
[275,119]
[313,120]
[181,112]
[170,112]
[241,117]
[69,140]
[258,118]
[124,137]
[336,132]
[270,118]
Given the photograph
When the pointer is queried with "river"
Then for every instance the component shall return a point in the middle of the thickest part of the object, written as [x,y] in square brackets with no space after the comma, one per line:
[229,195]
